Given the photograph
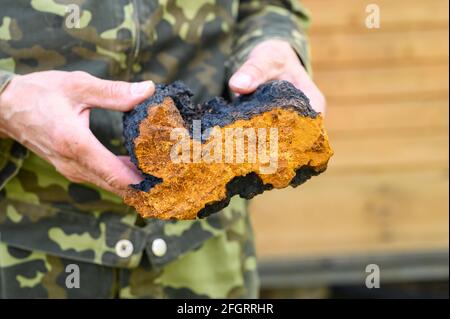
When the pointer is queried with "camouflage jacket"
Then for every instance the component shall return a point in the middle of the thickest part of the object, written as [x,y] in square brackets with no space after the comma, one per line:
[200,42]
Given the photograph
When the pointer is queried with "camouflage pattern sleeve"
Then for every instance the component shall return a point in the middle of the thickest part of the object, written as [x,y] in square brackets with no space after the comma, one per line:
[270,19]
[12,155]
[11,152]
[48,222]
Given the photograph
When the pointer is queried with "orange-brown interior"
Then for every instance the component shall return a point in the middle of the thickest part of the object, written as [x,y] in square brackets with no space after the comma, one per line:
[188,187]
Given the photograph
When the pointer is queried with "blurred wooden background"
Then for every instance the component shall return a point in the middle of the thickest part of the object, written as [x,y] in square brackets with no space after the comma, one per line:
[386,188]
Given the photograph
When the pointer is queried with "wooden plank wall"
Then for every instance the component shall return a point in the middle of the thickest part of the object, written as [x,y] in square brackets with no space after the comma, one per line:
[386,189]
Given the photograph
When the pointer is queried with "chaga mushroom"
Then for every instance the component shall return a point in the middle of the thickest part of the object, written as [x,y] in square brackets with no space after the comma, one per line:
[194,158]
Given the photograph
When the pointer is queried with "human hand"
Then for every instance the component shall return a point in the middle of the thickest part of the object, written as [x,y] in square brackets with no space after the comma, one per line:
[276,60]
[48,112]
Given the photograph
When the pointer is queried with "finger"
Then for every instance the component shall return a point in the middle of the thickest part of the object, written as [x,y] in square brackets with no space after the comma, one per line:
[317,101]
[127,161]
[315,96]
[106,169]
[113,95]
[257,70]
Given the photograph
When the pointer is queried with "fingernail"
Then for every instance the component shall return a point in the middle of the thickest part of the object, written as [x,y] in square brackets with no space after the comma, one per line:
[141,88]
[241,81]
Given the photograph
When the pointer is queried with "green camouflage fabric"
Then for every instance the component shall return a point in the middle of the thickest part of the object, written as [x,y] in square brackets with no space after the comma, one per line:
[48,222]
[223,267]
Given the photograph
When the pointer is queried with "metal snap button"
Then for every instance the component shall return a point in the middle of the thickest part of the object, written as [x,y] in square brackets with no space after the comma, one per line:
[159,247]
[124,248]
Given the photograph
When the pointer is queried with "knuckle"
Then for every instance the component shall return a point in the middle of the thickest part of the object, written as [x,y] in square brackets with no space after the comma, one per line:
[75,80]
[63,146]
[112,88]
[67,171]
[79,75]
[255,68]
[62,151]
[112,183]
[111,180]
[58,142]
[277,62]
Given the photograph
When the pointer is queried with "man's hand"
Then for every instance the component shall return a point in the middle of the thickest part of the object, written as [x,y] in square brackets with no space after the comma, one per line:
[48,112]
[275,60]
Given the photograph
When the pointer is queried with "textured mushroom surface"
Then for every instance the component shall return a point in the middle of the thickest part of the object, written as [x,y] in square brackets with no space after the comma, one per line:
[280,138]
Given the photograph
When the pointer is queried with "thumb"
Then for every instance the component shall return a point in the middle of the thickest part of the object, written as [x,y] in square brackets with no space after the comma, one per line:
[108,171]
[257,70]
[114,95]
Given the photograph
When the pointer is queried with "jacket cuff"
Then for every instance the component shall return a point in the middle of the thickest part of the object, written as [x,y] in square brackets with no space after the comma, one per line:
[12,153]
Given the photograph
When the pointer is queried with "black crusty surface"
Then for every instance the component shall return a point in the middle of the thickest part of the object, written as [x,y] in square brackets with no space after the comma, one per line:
[218,112]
